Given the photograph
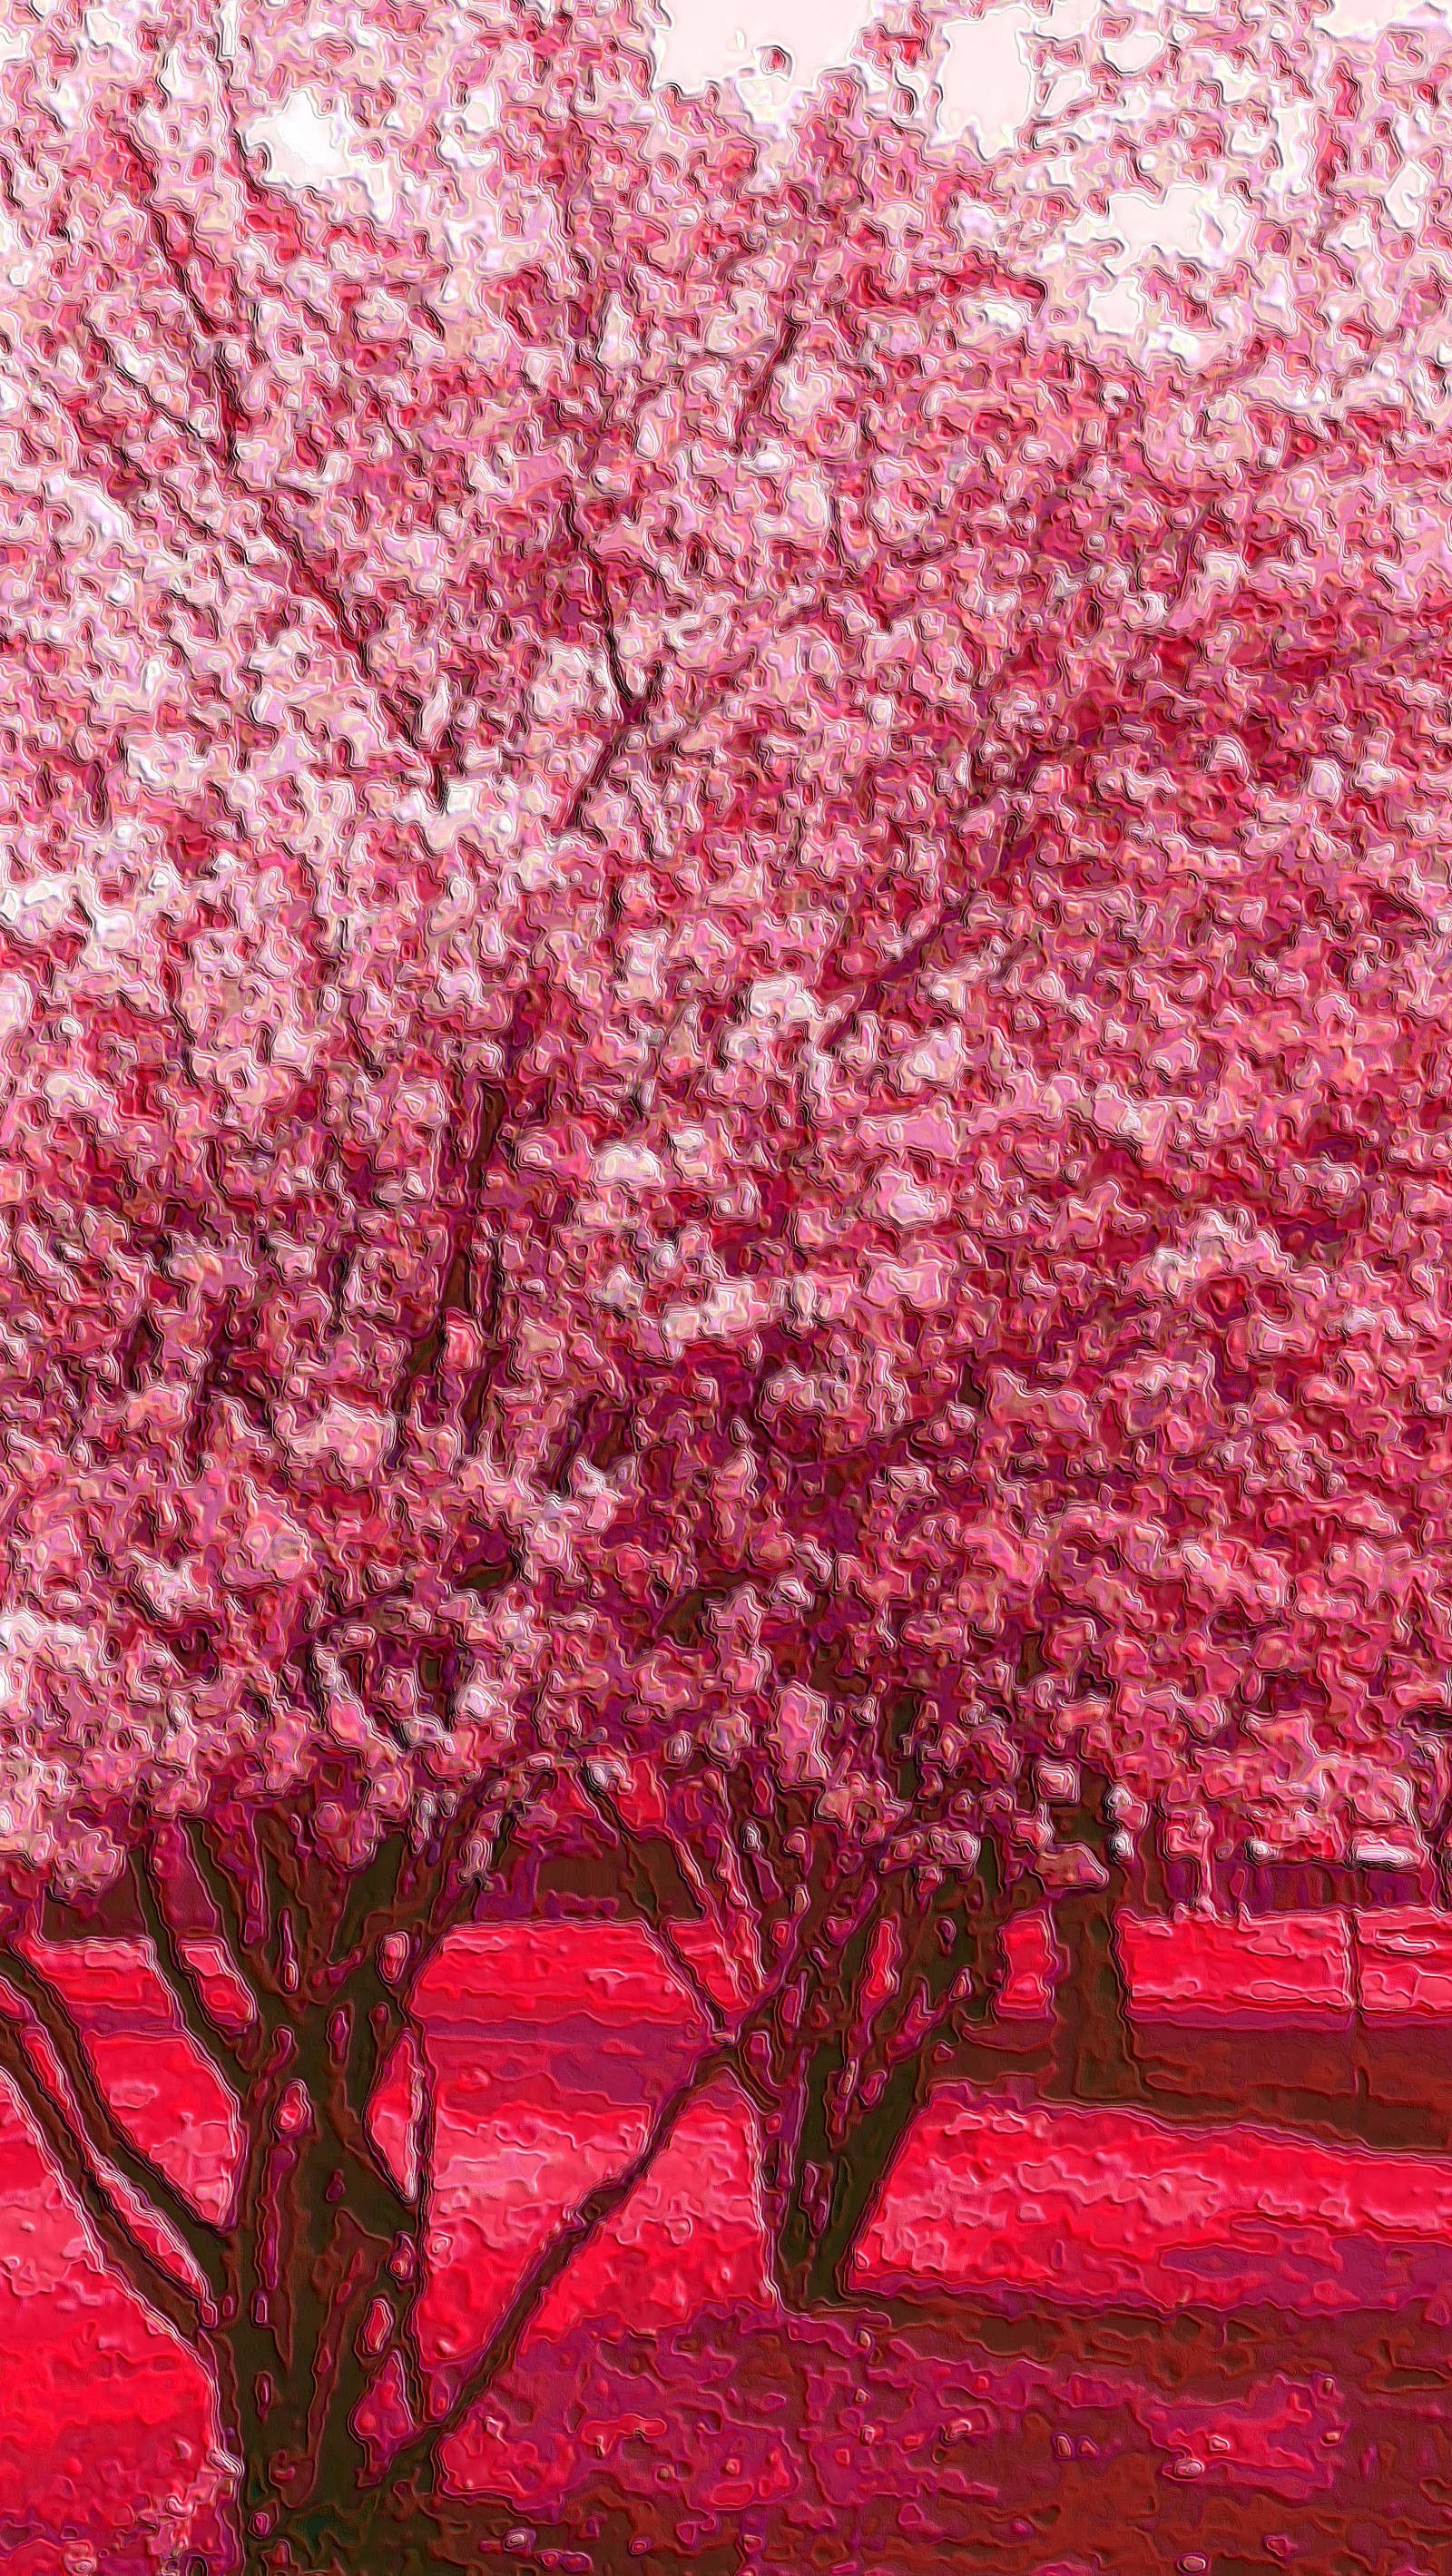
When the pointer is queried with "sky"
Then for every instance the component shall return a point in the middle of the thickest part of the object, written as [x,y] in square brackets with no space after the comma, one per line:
[990,78]
[1073,74]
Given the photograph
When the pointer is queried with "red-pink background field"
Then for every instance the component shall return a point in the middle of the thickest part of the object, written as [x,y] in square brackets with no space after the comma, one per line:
[661,2367]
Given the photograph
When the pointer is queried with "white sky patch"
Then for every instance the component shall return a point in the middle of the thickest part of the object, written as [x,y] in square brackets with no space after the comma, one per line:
[987,79]
[308,146]
[1407,195]
[1187,222]
[988,76]
[1134,52]
[464,128]
[110,32]
[703,41]
[1295,131]
[1369,18]
[17,33]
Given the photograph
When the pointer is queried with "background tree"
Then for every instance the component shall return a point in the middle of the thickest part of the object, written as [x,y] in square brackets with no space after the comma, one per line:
[725,985]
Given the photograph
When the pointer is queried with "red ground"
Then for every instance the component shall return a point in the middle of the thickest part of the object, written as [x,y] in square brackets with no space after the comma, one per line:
[661,2379]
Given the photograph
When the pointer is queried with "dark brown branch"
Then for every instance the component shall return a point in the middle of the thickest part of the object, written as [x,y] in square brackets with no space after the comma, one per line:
[371,1906]
[569,2239]
[455,1294]
[425,2151]
[232,2062]
[628,722]
[787,341]
[457,1883]
[229,1906]
[337,2375]
[305,578]
[286,1934]
[330,2368]
[645,1896]
[634,705]
[82,2169]
[302,1925]
[428,1891]
[722,2056]
[376,2024]
[105,2139]
[1013,841]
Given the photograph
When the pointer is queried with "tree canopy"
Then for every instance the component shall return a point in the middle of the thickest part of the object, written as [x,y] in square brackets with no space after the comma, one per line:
[724,968]
[725,949]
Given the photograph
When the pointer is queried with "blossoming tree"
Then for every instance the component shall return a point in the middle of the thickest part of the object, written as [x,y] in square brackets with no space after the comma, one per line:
[725,964]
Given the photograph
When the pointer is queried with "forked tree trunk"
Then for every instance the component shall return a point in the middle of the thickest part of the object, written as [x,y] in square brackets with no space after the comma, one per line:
[310,2283]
